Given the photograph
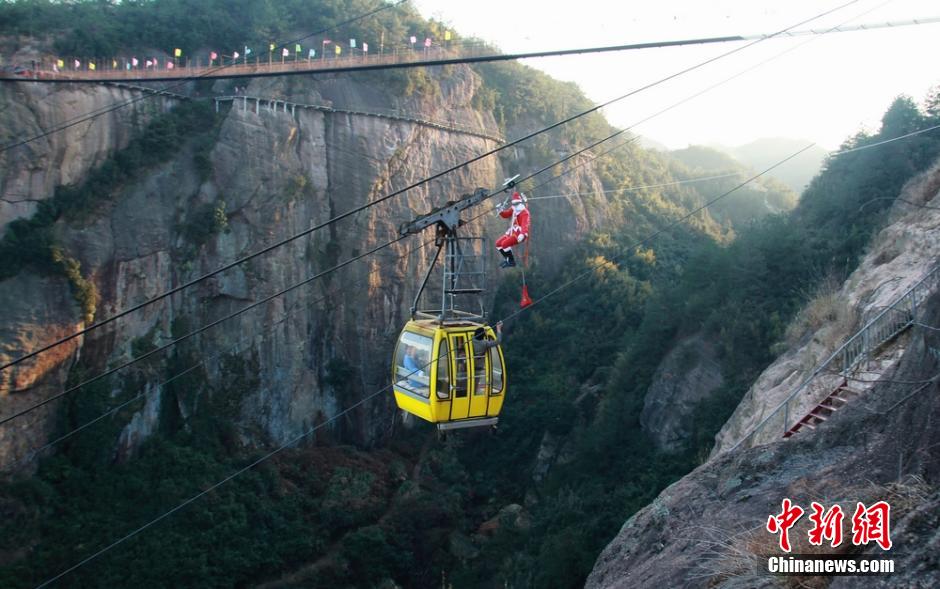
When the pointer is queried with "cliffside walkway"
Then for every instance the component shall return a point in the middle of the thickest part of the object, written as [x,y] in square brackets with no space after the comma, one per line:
[256,104]
[828,386]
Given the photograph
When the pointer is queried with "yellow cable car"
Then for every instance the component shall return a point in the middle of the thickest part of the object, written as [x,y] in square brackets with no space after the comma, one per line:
[443,374]
[448,367]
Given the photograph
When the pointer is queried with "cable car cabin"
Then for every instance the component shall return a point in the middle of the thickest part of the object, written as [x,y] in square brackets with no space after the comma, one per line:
[442,375]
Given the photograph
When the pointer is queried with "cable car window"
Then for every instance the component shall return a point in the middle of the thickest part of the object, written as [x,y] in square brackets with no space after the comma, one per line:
[443,371]
[497,366]
[412,363]
[461,376]
[479,370]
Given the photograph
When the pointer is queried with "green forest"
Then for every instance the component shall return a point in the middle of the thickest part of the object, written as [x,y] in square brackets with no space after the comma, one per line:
[339,515]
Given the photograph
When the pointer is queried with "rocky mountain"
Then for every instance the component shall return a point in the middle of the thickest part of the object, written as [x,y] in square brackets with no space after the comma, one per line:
[654,325]
[258,175]
[707,529]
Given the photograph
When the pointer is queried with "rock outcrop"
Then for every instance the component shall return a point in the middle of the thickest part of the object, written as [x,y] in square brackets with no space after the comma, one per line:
[687,375]
[707,529]
[900,255]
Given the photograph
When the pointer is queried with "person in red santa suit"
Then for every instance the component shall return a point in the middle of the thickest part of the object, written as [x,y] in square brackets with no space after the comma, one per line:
[518,230]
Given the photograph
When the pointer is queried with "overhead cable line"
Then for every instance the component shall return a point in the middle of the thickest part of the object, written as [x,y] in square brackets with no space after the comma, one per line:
[893,139]
[494,57]
[157,91]
[860,27]
[215,486]
[840,26]
[532,175]
[568,157]
[658,232]
[720,197]
[894,199]
[365,399]
[143,391]
[185,337]
[634,188]
[383,389]
[435,176]
[267,331]
[362,401]
[409,64]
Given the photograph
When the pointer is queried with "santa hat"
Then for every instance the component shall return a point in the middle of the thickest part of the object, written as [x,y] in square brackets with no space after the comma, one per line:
[518,198]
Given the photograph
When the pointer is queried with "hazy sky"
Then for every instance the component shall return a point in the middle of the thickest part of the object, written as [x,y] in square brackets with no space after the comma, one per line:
[822,91]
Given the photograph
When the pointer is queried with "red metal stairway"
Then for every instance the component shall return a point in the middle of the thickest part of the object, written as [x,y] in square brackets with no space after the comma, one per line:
[836,400]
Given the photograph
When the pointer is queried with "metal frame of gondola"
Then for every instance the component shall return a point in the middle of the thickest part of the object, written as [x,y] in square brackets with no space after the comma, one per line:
[458,271]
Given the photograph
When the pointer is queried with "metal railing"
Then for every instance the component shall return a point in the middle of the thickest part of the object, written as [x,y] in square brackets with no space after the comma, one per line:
[884,326]
[116,69]
[255,104]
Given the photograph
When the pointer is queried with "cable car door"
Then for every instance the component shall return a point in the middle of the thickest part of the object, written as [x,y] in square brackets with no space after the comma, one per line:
[461,384]
[480,384]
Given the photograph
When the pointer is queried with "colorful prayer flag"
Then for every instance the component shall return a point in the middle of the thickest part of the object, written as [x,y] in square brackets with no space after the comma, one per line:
[78,64]
[169,65]
[326,41]
[247,51]
[352,43]
[60,63]
[297,48]
[213,55]
[113,64]
[134,61]
[447,35]
[427,42]
[235,55]
[365,47]
[311,53]
[91,66]
[285,52]
[271,47]
[149,63]
[338,49]
[177,52]
[414,39]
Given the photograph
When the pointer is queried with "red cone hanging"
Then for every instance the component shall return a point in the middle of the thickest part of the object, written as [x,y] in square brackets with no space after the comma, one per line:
[526,301]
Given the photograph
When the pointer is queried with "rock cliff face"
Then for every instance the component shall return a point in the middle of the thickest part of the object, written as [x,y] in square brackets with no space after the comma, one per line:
[900,255]
[686,376]
[31,173]
[273,174]
[707,529]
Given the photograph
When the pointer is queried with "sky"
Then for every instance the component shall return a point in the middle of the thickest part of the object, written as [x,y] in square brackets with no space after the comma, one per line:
[821,88]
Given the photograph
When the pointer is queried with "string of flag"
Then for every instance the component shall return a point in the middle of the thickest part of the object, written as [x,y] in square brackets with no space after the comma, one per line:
[247,55]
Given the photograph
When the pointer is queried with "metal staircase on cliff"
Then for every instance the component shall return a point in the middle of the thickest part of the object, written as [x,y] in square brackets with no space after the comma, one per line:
[829,383]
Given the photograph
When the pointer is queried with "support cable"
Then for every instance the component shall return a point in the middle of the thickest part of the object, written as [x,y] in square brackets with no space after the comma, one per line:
[367,398]
[426,180]
[93,114]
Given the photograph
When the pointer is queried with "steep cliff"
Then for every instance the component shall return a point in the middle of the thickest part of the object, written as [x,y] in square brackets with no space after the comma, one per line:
[687,375]
[31,173]
[707,530]
[256,178]
[900,255]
